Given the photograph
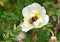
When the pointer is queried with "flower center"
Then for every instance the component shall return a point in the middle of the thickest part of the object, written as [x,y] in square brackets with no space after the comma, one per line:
[37,16]
[33,19]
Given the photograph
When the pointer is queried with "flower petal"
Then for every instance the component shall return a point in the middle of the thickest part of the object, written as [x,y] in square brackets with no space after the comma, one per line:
[28,11]
[46,19]
[34,7]
[26,29]
[26,26]
[25,12]
[43,11]
[37,25]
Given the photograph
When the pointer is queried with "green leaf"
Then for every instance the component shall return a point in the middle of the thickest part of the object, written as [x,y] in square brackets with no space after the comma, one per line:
[29,40]
[54,18]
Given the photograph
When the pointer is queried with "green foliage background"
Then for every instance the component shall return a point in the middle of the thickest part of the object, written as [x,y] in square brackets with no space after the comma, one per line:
[11,13]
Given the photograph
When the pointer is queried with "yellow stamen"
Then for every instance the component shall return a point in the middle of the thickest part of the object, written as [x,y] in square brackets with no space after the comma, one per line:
[37,14]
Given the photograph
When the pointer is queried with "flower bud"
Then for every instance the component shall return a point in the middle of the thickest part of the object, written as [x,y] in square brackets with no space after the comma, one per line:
[21,36]
[53,39]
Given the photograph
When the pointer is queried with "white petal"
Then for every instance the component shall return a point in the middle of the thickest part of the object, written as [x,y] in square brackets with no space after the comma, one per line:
[43,11]
[25,12]
[26,29]
[37,22]
[34,7]
[20,36]
[26,26]
[28,11]
[46,19]
[37,8]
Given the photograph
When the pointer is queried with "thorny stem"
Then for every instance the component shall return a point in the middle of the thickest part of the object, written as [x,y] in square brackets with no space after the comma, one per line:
[57,26]
[58,22]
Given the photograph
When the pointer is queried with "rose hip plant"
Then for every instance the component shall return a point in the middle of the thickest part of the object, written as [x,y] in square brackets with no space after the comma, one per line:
[29,21]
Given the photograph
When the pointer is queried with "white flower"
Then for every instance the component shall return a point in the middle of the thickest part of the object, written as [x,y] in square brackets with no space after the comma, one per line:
[34,17]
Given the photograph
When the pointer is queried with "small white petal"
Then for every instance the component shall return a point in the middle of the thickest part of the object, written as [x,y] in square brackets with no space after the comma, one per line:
[46,19]
[20,36]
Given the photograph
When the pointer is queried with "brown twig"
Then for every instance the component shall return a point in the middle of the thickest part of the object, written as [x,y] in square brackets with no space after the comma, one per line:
[58,22]
[56,28]
[35,37]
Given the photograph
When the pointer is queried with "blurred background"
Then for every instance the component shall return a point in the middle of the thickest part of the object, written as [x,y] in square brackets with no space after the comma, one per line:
[11,13]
